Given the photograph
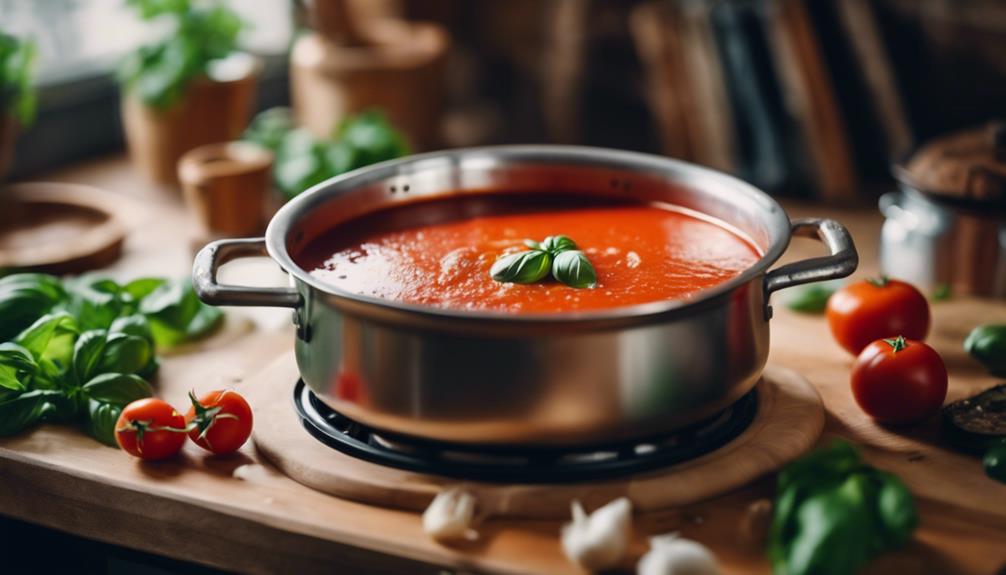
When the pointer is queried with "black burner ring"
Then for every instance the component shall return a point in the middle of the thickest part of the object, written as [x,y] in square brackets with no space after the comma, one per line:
[521,465]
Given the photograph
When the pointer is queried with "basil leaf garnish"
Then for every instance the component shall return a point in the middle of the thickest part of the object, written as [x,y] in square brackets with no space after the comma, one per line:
[521,267]
[572,268]
[558,244]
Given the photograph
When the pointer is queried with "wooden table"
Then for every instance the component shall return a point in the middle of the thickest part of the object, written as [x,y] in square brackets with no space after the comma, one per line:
[241,514]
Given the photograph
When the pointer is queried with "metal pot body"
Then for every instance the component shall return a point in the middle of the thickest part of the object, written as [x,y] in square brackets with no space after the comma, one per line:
[934,243]
[527,380]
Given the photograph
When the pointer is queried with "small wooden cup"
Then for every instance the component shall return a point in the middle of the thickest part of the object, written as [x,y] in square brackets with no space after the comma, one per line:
[227,187]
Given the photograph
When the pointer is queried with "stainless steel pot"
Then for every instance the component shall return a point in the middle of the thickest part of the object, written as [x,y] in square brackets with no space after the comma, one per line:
[531,379]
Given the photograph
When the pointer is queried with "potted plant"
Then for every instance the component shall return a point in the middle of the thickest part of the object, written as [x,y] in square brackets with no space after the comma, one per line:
[17,99]
[189,88]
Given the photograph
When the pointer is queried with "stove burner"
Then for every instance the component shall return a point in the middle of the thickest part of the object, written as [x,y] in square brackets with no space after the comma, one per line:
[520,465]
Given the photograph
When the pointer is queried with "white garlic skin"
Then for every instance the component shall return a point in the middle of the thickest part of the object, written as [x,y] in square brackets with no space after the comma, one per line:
[599,540]
[672,555]
[450,515]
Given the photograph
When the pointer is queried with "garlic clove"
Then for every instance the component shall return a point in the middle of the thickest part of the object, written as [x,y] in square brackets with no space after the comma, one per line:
[673,555]
[450,515]
[598,540]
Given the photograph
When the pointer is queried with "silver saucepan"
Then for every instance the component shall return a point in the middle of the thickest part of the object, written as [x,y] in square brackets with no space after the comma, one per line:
[559,379]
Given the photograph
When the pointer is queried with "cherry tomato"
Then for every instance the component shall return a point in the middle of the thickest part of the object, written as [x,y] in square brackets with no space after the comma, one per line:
[150,429]
[873,309]
[221,421]
[899,380]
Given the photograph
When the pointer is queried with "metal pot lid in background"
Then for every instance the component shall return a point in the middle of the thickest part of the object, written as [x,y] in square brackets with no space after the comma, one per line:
[967,167]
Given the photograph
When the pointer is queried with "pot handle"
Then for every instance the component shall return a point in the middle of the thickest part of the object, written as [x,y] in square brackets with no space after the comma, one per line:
[841,262]
[215,254]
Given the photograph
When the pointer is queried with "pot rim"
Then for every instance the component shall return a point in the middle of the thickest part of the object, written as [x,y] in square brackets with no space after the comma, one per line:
[709,180]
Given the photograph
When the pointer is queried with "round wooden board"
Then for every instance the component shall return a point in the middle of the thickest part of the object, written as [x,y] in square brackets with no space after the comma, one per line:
[789,421]
[58,227]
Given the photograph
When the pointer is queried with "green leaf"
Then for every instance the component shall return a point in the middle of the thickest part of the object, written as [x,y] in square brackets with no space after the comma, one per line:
[24,410]
[101,420]
[87,354]
[95,302]
[176,315]
[17,95]
[17,367]
[557,244]
[574,269]
[117,388]
[521,267]
[372,138]
[270,127]
[896,510]
[50,336]
[142,287]
[810,299]
[24,298]
[124,353]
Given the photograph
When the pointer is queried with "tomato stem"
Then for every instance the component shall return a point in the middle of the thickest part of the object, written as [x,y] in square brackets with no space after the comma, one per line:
[897,344]
[880,282]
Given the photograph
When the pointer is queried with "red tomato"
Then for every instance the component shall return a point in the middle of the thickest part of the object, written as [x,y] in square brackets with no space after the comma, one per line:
[222,421]
[869,310]
[150,429]
[899,380]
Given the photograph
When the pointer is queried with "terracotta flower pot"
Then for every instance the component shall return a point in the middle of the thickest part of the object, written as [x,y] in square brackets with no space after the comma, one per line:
[212,110]
[227,187]
[399,70]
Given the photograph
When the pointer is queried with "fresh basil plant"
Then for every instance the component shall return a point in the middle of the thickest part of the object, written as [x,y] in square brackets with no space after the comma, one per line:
[82,349]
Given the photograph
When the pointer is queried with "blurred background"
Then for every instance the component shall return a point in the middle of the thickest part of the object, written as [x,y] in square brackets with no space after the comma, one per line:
[807,99]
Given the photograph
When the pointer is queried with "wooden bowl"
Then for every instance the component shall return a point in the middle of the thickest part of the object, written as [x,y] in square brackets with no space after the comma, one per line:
[59,227]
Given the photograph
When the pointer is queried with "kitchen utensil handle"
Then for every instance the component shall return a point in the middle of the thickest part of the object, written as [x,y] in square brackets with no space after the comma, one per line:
[841,262]
[215,254]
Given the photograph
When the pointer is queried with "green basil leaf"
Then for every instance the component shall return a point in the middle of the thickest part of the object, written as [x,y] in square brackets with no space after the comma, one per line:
[142,287]
[521,267]
[24,298]
[87,354]
[896,510]
[17,367]
[101,420]
[136,324]
[372,138]
[269,128]
[95,302]
[117,388]
[125,353]
[176,315]
[574,269]
[56,330]
[24,410]
[810,299]
[557,244]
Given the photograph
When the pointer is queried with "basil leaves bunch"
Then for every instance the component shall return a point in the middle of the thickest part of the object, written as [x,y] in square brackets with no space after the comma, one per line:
[303,160]
[833,513]
[200,32]
[90,347]
[556,254]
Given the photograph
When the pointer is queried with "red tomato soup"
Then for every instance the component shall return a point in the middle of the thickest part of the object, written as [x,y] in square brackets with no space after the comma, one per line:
[439,253]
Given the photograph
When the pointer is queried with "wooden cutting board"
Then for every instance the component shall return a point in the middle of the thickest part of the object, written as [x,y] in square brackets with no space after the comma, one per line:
[788,422]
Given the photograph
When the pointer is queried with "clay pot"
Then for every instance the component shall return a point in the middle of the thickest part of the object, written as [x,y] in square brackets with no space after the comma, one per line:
[227,187]
[400,70]
[213,109]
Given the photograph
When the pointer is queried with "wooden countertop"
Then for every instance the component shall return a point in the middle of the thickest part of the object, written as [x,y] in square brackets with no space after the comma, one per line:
[241,514]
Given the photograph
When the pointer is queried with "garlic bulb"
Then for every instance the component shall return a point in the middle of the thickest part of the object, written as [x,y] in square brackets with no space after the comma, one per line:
[449,516]
[599,540]
[672,555]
